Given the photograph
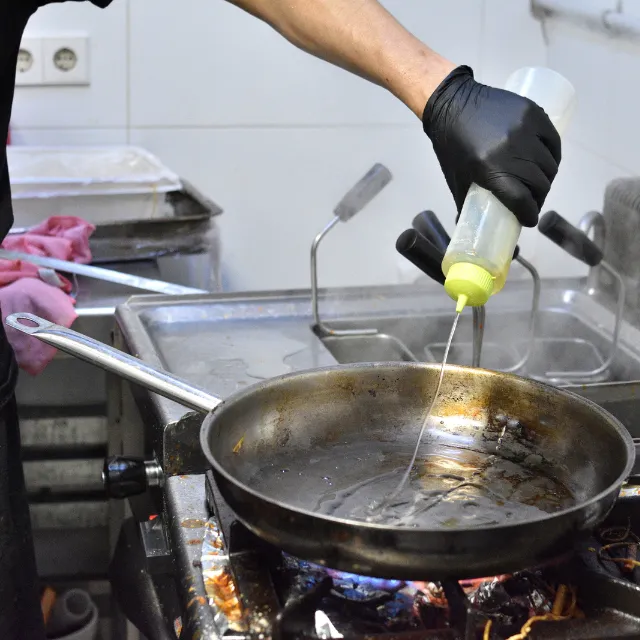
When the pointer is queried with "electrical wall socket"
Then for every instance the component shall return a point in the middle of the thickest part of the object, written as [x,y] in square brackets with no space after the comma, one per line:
[66,60]
[30,67]
[53,60]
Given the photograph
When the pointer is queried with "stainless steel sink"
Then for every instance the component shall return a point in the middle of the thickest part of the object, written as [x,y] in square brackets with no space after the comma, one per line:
[566,342]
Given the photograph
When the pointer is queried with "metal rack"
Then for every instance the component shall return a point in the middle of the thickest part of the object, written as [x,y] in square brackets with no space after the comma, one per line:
[576,242]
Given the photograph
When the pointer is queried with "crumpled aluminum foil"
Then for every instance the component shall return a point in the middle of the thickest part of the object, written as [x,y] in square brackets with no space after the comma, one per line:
[218,581]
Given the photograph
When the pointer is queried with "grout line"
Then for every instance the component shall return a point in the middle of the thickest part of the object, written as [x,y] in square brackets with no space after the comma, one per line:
[220,127]
[483,24]
[292,126]
[128,69]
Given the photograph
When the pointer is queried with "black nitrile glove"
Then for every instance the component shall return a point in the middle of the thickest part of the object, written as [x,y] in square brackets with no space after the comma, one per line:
[497,139]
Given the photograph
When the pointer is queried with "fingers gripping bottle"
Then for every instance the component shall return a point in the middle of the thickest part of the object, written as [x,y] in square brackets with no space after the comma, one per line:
[479,255]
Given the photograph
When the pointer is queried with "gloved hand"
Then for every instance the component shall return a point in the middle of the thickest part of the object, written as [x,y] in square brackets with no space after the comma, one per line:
[497,139]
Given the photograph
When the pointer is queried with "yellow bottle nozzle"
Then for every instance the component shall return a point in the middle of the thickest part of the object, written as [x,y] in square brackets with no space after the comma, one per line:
[468,284]
[462,303]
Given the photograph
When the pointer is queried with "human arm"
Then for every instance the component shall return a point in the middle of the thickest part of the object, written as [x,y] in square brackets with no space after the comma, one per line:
[362,37]
[481,135]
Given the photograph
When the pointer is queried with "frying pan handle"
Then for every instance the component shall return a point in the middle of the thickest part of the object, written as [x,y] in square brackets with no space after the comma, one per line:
[114,361]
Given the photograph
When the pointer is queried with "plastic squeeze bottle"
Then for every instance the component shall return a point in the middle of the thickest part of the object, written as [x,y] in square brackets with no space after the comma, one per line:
[479,255]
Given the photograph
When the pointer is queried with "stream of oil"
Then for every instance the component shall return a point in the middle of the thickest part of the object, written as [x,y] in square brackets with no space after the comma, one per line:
[378,512]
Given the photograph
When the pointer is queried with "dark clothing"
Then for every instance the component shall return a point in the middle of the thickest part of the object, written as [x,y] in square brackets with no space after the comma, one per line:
[13,19]
[20,615]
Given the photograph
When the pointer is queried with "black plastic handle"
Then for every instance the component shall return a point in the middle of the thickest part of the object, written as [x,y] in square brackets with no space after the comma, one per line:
[427,224]
[421,253]
[572,240]
[124,476]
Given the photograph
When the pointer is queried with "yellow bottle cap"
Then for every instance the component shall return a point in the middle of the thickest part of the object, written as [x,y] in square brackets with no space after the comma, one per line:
[468,284]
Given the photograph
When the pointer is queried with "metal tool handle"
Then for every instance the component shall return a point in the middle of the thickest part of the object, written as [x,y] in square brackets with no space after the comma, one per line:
[572,240]
[421,253]
[98,273]
[362,193]
[114,361]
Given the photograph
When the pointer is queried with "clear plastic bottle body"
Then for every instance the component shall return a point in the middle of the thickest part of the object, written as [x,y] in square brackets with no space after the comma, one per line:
[487,233]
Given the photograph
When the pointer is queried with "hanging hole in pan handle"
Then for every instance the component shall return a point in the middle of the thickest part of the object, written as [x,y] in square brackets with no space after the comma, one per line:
[421,253]
[27,323]
[572,240]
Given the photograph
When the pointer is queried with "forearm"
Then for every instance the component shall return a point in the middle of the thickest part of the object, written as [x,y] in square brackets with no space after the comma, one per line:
[362,37]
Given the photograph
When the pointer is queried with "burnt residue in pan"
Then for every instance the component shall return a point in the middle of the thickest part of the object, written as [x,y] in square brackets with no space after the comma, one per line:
[454,483]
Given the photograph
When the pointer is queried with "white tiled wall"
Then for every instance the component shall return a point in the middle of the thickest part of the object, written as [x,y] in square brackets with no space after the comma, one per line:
[276,137]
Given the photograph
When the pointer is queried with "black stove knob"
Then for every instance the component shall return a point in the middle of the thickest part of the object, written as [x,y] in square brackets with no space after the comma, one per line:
[123,477]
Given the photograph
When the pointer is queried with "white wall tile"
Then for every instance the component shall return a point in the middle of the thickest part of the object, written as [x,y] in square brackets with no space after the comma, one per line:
[453,28]
[210,64]
[632,7]
[71,137]
[511,40]
[279,187]
[101,104]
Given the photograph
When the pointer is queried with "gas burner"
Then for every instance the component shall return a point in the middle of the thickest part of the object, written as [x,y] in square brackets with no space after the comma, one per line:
[349,586]
[343,602]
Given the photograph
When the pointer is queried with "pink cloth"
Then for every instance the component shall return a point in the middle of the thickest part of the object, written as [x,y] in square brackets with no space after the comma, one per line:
[29,295]
[61,237]
[21,290]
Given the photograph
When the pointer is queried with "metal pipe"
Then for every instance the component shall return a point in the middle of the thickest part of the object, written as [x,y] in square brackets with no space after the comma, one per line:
[322,328]
[358,197]
[594,221]
[609,22]
[479,316]
[314,276]
[535,304]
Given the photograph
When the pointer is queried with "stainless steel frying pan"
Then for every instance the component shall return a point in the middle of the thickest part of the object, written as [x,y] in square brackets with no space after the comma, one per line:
[510,472]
